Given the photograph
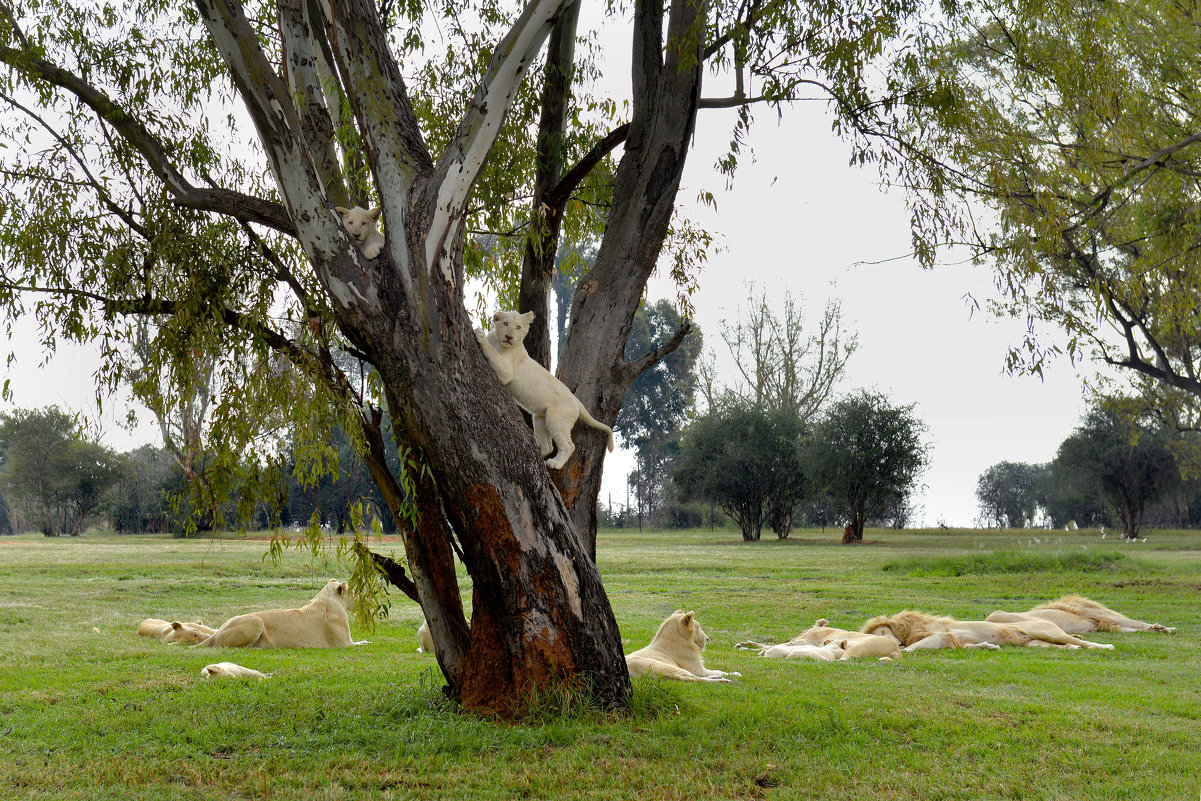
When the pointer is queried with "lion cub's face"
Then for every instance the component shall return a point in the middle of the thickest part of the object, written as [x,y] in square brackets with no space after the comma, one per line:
[359,222]
[511,327]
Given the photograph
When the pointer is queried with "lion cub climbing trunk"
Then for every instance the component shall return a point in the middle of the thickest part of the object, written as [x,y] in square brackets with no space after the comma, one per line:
[548,400]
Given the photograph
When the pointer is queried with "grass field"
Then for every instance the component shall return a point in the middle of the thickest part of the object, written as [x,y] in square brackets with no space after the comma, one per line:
[111,715]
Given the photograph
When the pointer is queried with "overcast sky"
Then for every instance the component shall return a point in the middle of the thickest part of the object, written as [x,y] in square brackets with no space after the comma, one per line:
[797,219]
[801,220]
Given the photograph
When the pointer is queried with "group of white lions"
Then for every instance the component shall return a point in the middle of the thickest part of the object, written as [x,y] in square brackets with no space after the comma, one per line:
[323,622]
[675,651]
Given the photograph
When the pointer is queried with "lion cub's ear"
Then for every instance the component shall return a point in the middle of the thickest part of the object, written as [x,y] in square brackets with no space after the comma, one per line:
[341,210]
[821,621]
[176,625]
[527,318]
[375,212]
[342,589]
[687,621]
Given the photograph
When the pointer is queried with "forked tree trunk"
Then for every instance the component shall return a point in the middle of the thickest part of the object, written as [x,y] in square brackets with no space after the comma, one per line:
[539,612]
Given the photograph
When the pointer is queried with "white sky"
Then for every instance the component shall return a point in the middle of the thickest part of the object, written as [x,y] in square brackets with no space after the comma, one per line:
[798,219]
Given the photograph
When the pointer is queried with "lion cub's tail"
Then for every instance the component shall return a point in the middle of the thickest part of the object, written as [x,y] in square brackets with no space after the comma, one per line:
[592,421]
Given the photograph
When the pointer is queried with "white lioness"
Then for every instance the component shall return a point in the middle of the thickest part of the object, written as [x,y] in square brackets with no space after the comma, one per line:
[547,399]
[321,623]
[1076,614]
[918,631]
[229,670]
[854,644]
[360,223]
[830,652]
[174,631]
[675,652]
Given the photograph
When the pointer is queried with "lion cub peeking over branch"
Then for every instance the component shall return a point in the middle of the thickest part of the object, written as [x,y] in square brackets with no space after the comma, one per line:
[547,399]
[360,223]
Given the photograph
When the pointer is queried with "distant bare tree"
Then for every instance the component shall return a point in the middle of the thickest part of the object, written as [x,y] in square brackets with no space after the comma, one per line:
[782,365]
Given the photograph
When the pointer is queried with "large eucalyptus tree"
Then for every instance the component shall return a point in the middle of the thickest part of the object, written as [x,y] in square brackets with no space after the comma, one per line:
[130,165]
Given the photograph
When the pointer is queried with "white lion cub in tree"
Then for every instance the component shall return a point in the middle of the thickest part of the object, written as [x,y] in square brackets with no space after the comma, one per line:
[546,398]
[360,223]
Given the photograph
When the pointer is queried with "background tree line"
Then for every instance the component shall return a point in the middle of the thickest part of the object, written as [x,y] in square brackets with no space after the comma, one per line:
[57,479]
[1122,466]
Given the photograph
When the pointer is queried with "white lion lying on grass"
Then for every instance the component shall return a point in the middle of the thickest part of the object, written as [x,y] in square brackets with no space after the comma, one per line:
[1076,614]
[323,622]
[822,641]
[831,652]
[229,670]
[918,631]
[675,652]
[174,631]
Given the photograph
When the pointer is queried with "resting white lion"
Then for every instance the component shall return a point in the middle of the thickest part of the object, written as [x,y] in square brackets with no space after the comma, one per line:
[1076,614]
[321,623]
[918,631]
[854,644]
[228,670]
[174,631]
[675,652]
[547,399]
[830,652]
[360,223]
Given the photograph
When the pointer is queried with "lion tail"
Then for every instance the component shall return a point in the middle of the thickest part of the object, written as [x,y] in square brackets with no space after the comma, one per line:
[597,424]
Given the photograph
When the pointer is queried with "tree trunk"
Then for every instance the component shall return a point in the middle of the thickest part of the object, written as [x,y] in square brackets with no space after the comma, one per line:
[546,218]
[540,614]
[782,525]
[853,533]
[667,83]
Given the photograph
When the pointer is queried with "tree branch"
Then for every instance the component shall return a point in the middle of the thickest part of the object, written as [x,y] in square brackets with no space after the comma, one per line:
[631,370]
[736,101]
[224,201]
[394,572]
[460,165]
[106,200]
[308,69]
[576,175]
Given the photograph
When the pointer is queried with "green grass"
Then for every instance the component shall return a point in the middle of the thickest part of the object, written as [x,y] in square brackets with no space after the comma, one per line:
[112,715]
[1009,562]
